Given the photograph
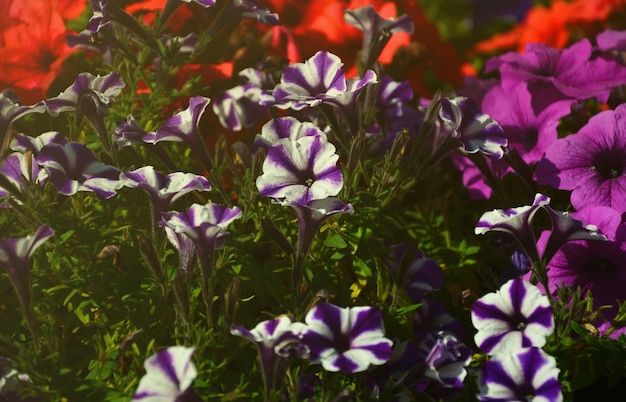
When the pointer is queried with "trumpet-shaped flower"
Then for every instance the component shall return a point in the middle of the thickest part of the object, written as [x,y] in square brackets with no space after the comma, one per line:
[169,374]
[527,374]
[23,143]
[183,127]
[446,359]
[20,170]
[11,110]
[516,316]
[73,167]
[476,130]
[346,339]
[300,171]
[100,90]
[284,127]
[129,132]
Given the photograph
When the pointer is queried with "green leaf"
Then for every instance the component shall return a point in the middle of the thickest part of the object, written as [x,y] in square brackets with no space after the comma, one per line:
[334,240]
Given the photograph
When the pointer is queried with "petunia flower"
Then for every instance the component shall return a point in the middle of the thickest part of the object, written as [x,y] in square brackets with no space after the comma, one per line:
[284,127]
[376,30]
[23,143]
[128,132]
[522,375]
[573,71]
[239,107]
[445,359]
[183,127]
[432,317]
[317,80]
[276,340]
[73,167]
[14,256]
[590,163]
[20,170]
[413,272]
[516,316]
[346,339]
[300,171]
[163,189]
[169,375]
[89,96]
[11,110]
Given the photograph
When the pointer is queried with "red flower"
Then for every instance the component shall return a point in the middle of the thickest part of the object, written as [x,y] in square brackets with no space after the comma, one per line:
[32,44]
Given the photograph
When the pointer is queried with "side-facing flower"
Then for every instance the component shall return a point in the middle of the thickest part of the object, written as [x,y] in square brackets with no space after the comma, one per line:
[516,316]
[413,272]
[276,340]
[183,127]
[73,167]
[20,170]
[346,339]
[376,30]
[477,131]
[14,255]
[300,171]
[169,374]
[23,143]
[128,132]
[239,107]
[445,359]
[523,375]
[11,110]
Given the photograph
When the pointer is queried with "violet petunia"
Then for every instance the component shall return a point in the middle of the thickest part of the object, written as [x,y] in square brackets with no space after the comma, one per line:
[128,132]
[183,127]
[346,339]
[413,272]
[575,71]
[300,171]
[446,359]
[284,127]
[477,131]
[516,316]
[23,143]
[169,375]
[11,110]
[239,107]
[73,167]
[20,170]
[520,376]
[591,163]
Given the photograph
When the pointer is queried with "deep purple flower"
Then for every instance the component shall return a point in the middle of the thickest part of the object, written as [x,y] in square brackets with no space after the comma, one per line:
[516,316]
[73,167]
[183,127]
[100,17]
[529,115]
[523,375]
[432,317]
[445,359]
[591,163]
[610,39]
[14,256]
[477,131]
[300,171]
[376,30]
[346,339]
[415,273]
[317,80]
[575,71]
[169,374]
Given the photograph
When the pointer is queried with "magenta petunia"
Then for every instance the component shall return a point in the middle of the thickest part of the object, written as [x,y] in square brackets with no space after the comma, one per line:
[591,163]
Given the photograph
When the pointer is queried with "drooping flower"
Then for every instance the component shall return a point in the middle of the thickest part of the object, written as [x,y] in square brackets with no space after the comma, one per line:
[284,127]
[346,339]
[477,131]
[276,340]
[14,256]
[11,110]
[522,375]
[183,127]
[516,316]
[169,375]
[445,359]
[73,167]
[413,272]
[573,71]
[591,163]
[300,171]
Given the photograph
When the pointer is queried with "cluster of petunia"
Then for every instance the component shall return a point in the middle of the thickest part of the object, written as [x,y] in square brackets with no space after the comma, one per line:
[313,126]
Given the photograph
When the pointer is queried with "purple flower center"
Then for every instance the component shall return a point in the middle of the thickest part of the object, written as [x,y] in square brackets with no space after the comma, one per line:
[598,266]
[609,165]
[341,343]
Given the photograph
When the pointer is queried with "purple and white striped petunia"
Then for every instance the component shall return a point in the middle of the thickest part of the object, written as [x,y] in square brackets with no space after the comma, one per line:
[300,171]
[476,130]
[129,132]
[169,374]
[183,127]
[346,339]
[516,316]
[102,89]
[11,110]
[14,255]
[376,29]
[20,170]
[73,167]
[164,189]
[446,359]
[524,375]
[284,127]
[206,226]
[23,143]
[413,272]
[239,107]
